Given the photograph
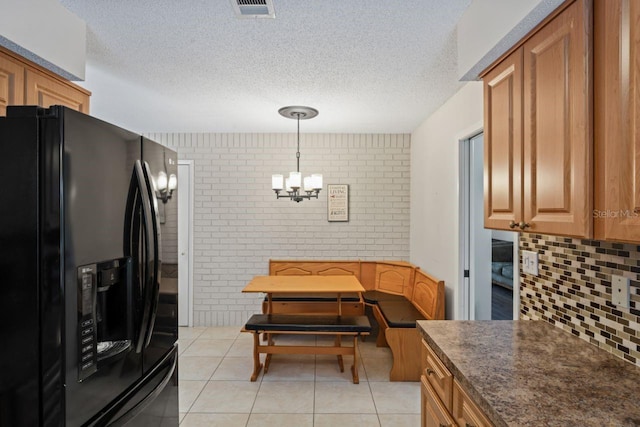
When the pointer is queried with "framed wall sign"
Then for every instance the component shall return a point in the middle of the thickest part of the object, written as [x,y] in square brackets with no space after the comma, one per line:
[337,202]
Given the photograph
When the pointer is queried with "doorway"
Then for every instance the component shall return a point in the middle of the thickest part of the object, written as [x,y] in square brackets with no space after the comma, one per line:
[185,243]
[484,252]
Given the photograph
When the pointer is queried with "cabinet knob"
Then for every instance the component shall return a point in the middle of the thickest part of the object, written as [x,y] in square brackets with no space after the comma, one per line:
[430,371]
[524,225]
[513,224]
[468,425]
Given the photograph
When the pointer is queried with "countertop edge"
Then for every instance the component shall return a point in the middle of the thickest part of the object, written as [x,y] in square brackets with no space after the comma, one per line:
[479,400]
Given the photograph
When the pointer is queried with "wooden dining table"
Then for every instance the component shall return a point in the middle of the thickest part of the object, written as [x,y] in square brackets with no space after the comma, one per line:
[337,285]
[333,285]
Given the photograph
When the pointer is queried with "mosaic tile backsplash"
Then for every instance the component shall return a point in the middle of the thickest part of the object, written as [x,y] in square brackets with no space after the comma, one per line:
[573,291]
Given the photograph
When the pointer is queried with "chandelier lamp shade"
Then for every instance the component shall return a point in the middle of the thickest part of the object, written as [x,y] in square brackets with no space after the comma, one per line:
[294,187]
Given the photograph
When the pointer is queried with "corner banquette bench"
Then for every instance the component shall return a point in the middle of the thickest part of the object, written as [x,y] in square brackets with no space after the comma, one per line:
[398,293]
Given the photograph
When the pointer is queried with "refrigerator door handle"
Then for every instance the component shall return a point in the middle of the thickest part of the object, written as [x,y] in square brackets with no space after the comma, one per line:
[157,245]
[150,259]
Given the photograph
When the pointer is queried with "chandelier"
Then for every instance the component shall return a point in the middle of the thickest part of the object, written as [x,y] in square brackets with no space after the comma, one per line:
[296,188]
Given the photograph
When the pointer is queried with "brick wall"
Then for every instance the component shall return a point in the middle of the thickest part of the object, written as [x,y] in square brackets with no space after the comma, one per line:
[573,291]
[239,225]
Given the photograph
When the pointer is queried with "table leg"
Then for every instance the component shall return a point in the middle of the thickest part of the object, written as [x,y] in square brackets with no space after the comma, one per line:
[338,342]
[269,311]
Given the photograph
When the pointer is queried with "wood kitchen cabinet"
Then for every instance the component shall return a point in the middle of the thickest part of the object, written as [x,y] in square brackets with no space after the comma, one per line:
[434,414]
[538,137]
[11,84]
[444,401]
[503,144]
[25,83]
[617,120]
[465,412]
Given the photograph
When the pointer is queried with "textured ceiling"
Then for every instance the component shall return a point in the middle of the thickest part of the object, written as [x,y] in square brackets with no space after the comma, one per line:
[374,66]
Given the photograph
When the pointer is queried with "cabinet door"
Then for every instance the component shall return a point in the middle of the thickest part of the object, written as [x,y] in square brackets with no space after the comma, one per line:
[44,91]
[434,413]
[11,84]
[617,120]
[557,125]
[503,144]
[465,411]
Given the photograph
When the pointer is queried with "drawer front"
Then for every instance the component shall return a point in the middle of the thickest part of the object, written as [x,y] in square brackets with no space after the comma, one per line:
[437,375]
[434,414]
[465,411]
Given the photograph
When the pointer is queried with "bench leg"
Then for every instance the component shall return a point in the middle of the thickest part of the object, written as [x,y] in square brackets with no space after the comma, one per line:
[257,366]
[267,362]
[405,345]
[338,343]
[354,367]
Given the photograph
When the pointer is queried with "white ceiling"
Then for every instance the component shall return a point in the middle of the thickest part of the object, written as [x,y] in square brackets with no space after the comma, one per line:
[368,66]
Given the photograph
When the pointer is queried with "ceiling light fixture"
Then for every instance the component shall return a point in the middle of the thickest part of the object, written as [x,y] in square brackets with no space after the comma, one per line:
[295,186]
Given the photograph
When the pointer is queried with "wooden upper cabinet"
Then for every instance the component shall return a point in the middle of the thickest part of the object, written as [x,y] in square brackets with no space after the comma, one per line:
[557,125]
[538,136]
[617,120]
[25,83]
[44,91]
[503,143]
[11,84]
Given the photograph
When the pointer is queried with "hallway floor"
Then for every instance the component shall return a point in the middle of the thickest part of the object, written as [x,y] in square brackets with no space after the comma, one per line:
[299,390]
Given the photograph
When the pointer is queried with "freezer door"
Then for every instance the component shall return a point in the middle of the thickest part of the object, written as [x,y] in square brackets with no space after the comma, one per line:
[152,402]
[160,164]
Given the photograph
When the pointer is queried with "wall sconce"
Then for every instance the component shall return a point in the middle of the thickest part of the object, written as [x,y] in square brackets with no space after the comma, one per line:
[165,184]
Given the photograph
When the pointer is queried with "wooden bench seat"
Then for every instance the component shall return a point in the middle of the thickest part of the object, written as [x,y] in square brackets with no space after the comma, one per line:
[306,324]
[373,297]
[400,313]
[397,319]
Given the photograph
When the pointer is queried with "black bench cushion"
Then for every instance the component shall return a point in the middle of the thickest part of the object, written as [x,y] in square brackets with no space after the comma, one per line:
[314,297]
[373,297]
[307,323]
[400,314]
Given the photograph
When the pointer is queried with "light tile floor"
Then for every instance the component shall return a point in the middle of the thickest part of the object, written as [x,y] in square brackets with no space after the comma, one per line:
[298,391]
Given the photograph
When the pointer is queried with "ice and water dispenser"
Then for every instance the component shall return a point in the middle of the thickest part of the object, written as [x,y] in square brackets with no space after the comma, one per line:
[105,313]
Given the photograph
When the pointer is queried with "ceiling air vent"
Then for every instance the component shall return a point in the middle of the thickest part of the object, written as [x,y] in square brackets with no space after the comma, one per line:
[253,8]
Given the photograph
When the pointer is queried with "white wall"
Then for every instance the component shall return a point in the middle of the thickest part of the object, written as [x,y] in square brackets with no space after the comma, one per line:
[46,33]
[434,188]
[239,224]
[488,28]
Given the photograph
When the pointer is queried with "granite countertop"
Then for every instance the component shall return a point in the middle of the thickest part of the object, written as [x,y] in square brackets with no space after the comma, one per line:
[531,373]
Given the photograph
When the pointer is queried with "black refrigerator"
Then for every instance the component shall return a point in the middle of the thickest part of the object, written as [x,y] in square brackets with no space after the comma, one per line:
[88,262]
